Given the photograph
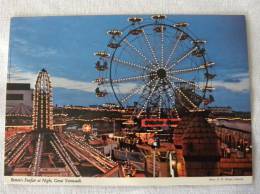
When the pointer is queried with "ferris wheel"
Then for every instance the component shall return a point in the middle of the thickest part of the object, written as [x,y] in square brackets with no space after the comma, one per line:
[155,66]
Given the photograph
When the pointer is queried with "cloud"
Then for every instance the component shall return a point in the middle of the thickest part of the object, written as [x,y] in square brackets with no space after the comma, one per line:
[59,82]
[241,83]
[232,80]
[19,76]
[236,83]
[29,49]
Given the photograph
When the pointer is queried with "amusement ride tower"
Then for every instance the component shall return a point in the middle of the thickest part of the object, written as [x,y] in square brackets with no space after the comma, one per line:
[42,103]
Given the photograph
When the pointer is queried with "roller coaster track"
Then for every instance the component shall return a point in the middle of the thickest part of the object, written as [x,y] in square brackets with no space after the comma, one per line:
[12,144]
[65,145]
[16,153]
[38,155]
[63,154]
[10,140]
[94,151]
[88,153]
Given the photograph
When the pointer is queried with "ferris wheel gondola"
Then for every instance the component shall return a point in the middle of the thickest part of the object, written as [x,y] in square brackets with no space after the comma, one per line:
[181,25]
[158,66]
[100,93]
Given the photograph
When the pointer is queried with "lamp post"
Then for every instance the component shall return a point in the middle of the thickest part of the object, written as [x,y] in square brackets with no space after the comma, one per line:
[154,161]
[155,145]
[114,126]
[173,164]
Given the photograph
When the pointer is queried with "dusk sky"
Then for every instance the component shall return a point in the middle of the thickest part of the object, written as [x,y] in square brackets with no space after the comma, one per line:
[65,47]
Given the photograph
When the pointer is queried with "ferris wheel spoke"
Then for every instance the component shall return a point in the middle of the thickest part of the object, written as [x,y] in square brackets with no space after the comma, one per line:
[130,64]
[171,95]
[136,109]
[177,114]
[186,98]
[134,91]
[190,70]
[175,109]
[141,54]
[162,47]
[185,81]
[148,99]
[188,53]
[173,49]
[184,56]
[131,93]
[178,90]
[173,102]
[127,79]
[148,43]
[160,104]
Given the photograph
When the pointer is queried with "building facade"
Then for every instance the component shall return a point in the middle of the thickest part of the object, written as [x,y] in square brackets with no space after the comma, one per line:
[18,93]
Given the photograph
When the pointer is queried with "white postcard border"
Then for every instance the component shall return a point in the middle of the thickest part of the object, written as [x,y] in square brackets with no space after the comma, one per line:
[108,181]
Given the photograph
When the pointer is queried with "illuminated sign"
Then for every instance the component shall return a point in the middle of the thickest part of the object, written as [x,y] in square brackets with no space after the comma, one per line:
[160,122]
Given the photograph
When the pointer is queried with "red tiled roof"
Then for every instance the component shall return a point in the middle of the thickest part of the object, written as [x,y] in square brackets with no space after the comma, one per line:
[200,138]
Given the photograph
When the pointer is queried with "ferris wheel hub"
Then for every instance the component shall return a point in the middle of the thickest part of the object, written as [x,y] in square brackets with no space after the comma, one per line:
[161,73]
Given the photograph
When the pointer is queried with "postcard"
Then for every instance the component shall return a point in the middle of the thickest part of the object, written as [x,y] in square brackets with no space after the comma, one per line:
[128,100]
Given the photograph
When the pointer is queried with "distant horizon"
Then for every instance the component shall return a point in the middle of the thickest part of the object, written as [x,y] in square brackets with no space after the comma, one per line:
[65,45]
[88,105]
